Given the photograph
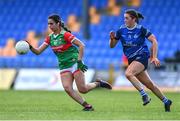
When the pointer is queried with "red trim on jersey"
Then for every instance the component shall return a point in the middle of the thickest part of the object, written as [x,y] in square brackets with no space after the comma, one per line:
[76,71]
[64,72]
[47,40]
[56,47]
[61,48]
[68,37]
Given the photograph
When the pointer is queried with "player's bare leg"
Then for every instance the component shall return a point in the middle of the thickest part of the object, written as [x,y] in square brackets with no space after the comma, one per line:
[67,82]
[134,69]
[146,80]
[83,87]
[80,82]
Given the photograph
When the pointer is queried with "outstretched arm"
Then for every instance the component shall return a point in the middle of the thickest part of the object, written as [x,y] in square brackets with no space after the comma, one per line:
[38,50]
[154,49]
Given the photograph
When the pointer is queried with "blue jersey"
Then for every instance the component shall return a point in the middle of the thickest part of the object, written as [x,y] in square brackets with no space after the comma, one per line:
[133,40]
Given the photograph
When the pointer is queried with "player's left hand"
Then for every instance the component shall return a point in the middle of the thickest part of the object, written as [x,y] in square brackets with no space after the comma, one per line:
[155,61]
[82,66]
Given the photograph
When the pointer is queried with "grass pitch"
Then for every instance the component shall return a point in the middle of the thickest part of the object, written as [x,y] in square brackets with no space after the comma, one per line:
[109,105]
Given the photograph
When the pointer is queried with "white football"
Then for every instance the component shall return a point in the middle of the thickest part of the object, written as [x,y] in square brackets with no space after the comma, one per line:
[22,47]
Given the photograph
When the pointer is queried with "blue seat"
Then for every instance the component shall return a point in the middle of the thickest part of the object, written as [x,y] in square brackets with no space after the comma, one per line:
[97,52]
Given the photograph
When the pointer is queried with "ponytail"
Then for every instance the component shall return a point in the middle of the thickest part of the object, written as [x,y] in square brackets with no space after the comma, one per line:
[64,27]
[134,14]
[139,15]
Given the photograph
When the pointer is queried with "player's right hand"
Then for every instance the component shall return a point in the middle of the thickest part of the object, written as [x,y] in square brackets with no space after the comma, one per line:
[155,61]
[30,46]
[27,41]
[112,35]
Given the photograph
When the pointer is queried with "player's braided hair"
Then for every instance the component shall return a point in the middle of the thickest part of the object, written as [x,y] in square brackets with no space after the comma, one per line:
[134,14]
[57,19]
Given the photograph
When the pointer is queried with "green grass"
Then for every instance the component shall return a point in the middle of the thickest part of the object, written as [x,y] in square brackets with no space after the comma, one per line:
[56,105]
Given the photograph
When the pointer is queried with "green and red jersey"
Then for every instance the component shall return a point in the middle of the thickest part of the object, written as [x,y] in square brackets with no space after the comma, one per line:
[62,46]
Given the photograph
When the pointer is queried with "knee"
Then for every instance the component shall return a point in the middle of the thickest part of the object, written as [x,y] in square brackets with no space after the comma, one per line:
[68,89]
[83,90]
[128,74]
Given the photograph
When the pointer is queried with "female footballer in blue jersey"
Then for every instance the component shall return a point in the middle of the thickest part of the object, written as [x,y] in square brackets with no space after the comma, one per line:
[132,37]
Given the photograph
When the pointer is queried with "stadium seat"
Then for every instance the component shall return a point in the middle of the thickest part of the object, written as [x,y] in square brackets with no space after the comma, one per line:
[22,16]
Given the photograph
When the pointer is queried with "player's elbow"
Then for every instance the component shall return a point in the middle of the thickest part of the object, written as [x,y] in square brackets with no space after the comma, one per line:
[37,52]
[81,46]
[154,42]
[153,39]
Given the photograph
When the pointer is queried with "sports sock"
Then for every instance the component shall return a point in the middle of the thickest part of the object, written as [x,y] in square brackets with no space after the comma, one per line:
[142,92]
[84,104]
[164,100]
[97,84]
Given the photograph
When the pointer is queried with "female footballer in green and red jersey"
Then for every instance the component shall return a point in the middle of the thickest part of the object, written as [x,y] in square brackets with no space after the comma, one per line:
[64,45]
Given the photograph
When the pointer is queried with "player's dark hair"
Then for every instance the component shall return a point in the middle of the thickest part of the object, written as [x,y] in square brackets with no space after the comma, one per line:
[56,18]
[134,14]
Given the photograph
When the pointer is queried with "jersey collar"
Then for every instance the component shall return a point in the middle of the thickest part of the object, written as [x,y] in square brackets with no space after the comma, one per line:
[132,27]
[61,32]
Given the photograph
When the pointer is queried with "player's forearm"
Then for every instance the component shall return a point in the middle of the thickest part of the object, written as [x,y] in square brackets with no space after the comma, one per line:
[35,51]
[81,52]
[39,50]
[154,49]
[112,43]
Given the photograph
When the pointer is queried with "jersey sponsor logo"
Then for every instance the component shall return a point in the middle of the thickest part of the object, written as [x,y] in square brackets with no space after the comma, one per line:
[58,48]
[61,48]
[136,53]
[57,42]
[73,59]
[129,36]
[123,35]
[136,36]
[130,32]
[137,58]
[129,44]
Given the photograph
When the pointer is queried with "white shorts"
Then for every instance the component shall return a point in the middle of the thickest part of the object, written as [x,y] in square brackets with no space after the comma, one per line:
[72,69]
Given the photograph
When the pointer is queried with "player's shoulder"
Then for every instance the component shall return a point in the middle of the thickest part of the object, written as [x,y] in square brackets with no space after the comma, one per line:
[63,32]
[139,26]
[51,34]
[48,39]
[123,26]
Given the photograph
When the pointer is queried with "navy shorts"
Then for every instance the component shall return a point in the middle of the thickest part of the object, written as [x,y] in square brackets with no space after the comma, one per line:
[142,58]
